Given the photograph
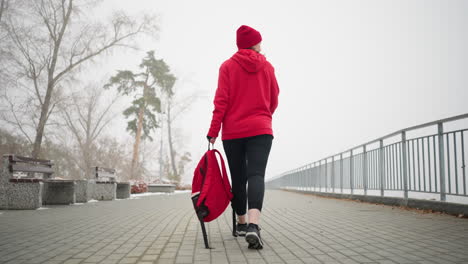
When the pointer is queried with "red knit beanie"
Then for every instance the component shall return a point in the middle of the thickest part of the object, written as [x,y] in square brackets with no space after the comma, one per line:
[247,37]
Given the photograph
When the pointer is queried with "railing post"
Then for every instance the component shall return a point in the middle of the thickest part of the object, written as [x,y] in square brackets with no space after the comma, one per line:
[317,175]
[320,175]
[382,167]
[304,178]
[290,180]
[314,169]
[351,172]
[326,175]
[301,175]
[341,172]
[293,179]
[440,128]
[364,168]
[405,165]
[333,174]
[297,179]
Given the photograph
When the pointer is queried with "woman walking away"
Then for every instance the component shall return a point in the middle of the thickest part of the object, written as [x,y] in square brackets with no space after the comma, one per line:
[245,100]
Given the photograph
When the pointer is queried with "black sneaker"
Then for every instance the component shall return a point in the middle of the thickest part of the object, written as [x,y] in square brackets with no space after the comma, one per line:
[241,229]
[253,237]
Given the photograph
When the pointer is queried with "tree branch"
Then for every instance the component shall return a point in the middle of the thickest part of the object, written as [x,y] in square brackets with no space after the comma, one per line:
[17,121]
[3,7]
[45,18]
[72,65]
[73,128]
[97,128]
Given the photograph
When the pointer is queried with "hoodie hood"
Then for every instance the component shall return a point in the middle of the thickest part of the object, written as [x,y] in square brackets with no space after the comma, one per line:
[250,60]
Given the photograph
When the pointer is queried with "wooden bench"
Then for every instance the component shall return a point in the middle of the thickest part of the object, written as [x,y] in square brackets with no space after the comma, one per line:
[29,166]
[19,186]
[109,175]
[105,187]
[104,174]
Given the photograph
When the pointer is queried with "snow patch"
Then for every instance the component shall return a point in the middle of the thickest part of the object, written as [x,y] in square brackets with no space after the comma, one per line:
[147,194]
[42,208]
[184,191]
[93,201]
[157,193]
[78,203]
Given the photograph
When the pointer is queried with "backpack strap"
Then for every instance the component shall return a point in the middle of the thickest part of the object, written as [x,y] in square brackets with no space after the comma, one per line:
[203,171]
[205,236]
[228,190]
[224,172]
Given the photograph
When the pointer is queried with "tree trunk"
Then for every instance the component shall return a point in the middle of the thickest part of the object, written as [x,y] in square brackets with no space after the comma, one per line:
[50,83]
[42,121]
[136,146]
[161,160]
[87,155]
[87,161]
[171,146]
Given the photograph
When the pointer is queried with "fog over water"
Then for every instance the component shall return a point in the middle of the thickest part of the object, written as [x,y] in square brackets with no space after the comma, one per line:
[348,71]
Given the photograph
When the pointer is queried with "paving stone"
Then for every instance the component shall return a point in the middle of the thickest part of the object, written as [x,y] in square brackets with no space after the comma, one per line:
[110,261]
[184,260]
[94,259]
[168,255]
[128,260]
[52,262]
[73,261]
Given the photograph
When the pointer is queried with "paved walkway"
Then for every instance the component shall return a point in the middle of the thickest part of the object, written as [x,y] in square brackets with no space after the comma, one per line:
[297,228]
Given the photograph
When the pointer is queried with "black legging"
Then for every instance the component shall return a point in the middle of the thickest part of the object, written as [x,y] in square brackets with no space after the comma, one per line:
[247,159]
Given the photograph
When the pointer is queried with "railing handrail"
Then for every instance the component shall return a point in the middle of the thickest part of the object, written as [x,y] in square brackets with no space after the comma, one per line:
[445,120]
[432,123]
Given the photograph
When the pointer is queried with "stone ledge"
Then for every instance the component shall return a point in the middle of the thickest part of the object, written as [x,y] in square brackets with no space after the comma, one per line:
[13,180]
[438,206]
[123,190]
[165,188]
[105,182]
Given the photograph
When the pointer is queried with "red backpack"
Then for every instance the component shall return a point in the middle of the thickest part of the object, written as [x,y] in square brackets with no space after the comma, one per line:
[211,190]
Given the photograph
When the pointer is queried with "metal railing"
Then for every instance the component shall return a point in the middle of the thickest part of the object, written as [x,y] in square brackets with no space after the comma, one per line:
[433,164]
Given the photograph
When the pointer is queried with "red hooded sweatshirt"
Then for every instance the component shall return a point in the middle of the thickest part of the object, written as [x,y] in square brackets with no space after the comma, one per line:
[246,97]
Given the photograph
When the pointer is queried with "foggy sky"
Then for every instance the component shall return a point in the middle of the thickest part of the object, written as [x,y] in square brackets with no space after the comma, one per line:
[348,71]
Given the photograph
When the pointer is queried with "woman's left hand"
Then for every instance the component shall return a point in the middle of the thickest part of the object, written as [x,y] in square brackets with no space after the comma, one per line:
[212,140]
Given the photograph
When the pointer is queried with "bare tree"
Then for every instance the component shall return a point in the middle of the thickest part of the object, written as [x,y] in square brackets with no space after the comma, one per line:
[86,117]
[50,40]
[114,154]
[174,109]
